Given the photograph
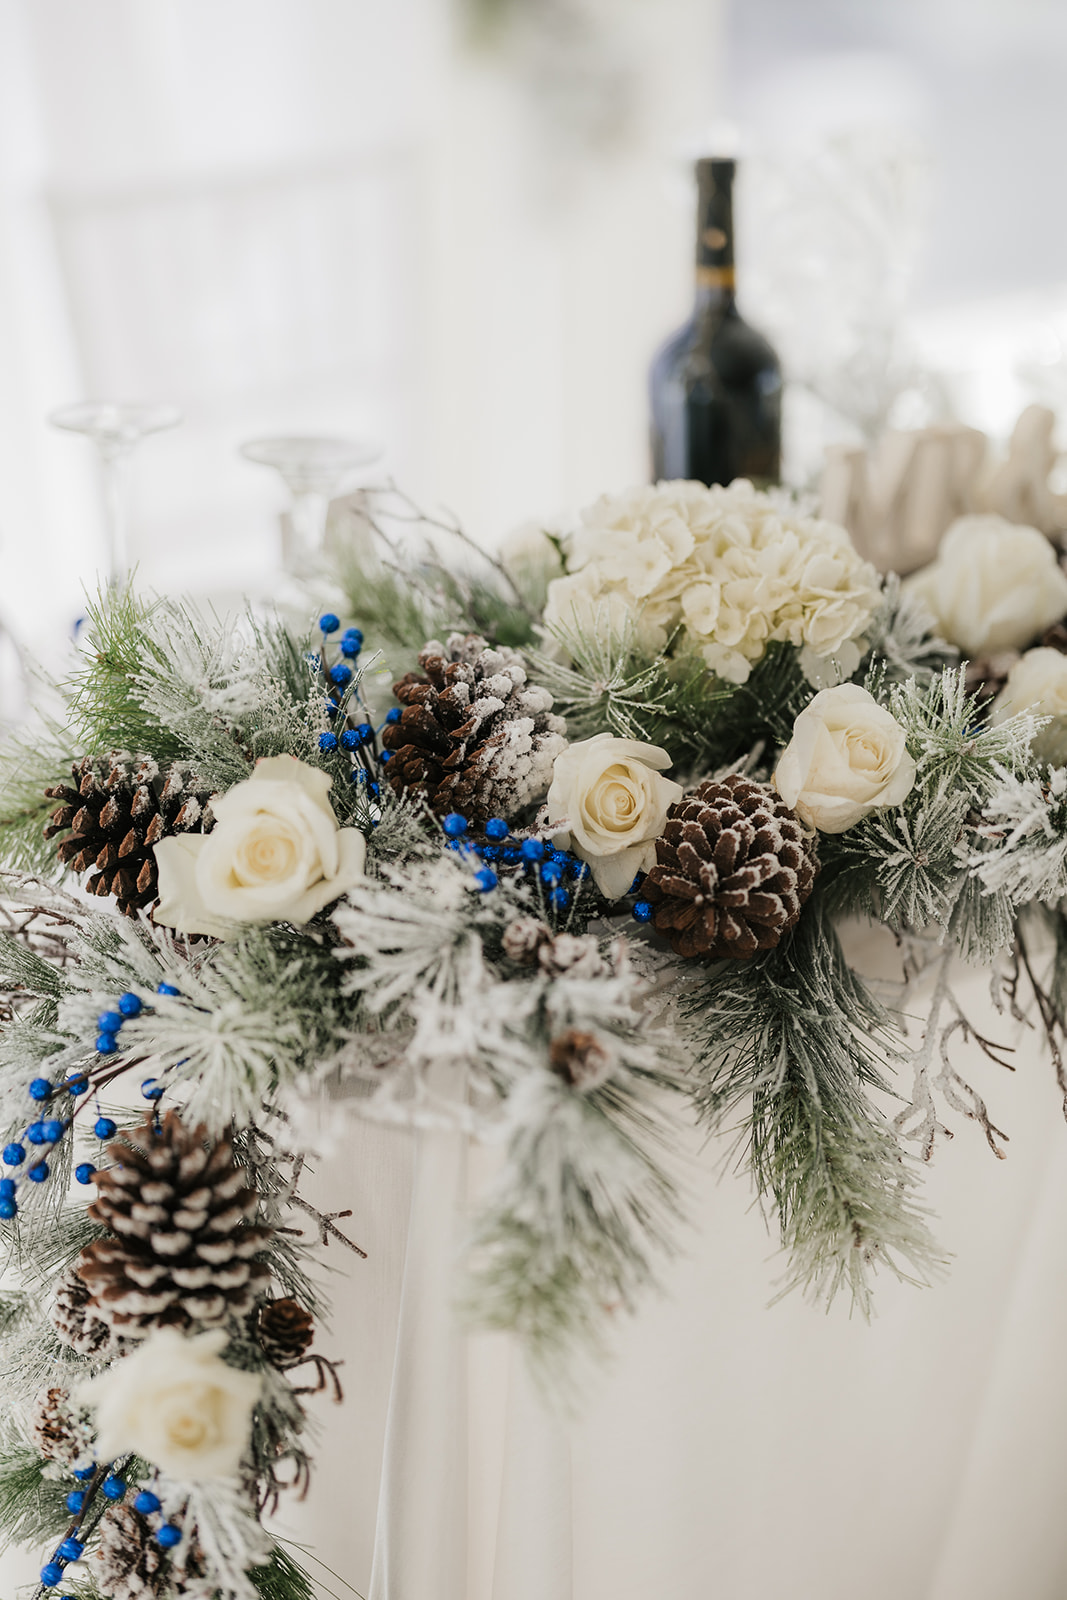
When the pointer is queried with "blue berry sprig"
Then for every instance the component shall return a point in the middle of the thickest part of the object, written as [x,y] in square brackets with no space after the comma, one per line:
[552,869]
[105,1479]
[352,733]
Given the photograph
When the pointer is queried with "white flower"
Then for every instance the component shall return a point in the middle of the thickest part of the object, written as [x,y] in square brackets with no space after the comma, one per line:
[177,1404]
[275,852]
[612,800]
[846,758]
[995,585]
[736,569]
[1038,683]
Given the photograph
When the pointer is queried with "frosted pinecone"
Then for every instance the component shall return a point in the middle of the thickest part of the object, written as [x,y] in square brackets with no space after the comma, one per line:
[181,1248]
[285,1332]
[129,1565]
[54,1430]
[524,938]
[733,869]
[474,736]
[74,1317]
[582,1058]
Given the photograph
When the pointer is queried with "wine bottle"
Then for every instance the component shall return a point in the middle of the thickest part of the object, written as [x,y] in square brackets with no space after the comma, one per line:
[716,384]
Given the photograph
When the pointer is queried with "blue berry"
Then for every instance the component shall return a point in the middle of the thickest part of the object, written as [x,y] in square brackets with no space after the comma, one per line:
[8,1208]
[38,1172]
[355,636]
[485,879]
[532,850]
[351,646]
[167,988]
[357,776]
[350,739]
[35,1133]
[104,1128]
[85,1172]
[329,623]
[365,733]
[511,854]
[76,1085]
[560,857]
[40,1089]
[375,791]
[113,1488]
[83,1473]
[551,872]
[394,714]
[14,1155]
[455,825]
[329,708]
[576,868]
[168,1536]
[635,885]
[109,1021]
[75,1501]
[53,1130]
[341,675]
[7,1188]
[327,742]
[146,1503]
[71,1549]
[106,1044]
[51,1574]
[152,1089]
[386,755]
[560,899]
[496,828]
[490,852]
[130,1004]
[642,911]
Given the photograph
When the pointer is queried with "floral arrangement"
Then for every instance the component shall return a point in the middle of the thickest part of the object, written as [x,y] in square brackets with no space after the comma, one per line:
[553,848]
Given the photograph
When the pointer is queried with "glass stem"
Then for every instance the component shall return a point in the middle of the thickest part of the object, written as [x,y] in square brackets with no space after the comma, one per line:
[307,520]
[115,467]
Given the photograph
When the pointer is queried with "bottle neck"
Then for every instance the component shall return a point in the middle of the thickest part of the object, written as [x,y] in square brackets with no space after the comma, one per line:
[715,280]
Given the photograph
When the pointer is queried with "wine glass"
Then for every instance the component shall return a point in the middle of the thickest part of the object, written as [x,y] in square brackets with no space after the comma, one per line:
[315,469]
[116,428]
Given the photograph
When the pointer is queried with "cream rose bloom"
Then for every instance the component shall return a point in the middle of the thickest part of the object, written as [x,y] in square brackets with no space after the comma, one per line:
[175,1402]
[275,852]
[995,585]
[846,758]
[612,798]
[1038,683]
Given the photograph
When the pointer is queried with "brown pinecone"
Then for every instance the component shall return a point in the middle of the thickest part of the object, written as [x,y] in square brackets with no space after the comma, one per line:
[581,1058]
[52,1429]
[182,1255]
[129,1565]
[285,1332]
[524,938]
[474,736]
[733,869]
[74,1317]
[118,808]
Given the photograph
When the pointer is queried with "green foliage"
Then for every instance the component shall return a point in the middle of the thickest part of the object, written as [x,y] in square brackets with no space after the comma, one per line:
[282,1578]
[32,1507]
[107,711]
[795,1043]
[30,763]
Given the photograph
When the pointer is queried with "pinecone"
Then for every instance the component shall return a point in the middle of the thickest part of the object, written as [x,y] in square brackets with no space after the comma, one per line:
[183,1252]
[73,1315]
[52,1429]
[118,808]
[523,939]
[285,1332]
[474,736]
[131,1566]
[733,869]
[581,1058]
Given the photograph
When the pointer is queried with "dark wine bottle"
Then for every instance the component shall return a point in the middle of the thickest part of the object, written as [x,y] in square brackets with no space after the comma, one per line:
[716,385]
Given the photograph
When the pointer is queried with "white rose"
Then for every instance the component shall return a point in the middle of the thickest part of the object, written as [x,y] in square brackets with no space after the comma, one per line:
[995,585]
[177,1404]
[613,800]
[1038,683]
[275,852]
[846,758]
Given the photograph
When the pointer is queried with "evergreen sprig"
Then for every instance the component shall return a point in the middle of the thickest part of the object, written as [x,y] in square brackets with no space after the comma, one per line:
[795,1042]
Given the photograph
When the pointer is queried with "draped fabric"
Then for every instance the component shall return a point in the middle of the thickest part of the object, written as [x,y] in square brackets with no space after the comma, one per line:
[730,1448]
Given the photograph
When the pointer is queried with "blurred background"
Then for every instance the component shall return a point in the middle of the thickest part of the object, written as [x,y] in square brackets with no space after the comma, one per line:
[463,226]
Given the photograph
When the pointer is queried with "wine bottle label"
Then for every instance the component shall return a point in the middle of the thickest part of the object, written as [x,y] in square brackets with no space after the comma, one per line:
[715,277]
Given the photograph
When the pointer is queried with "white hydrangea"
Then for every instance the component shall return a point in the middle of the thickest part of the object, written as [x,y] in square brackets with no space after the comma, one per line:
[734,566]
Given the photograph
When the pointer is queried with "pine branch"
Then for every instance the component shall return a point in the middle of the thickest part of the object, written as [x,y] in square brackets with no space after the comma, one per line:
[796,1039]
